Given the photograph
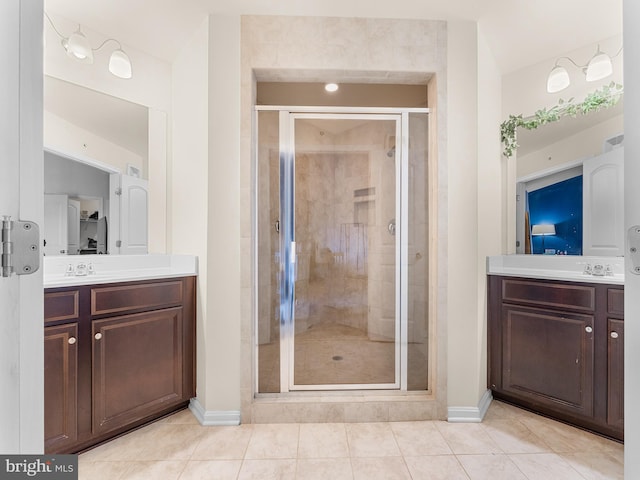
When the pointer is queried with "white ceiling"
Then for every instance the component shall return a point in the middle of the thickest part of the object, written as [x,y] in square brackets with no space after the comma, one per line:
[519,32]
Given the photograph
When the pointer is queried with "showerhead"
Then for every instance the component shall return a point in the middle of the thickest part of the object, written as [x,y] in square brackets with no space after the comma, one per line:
[392,152]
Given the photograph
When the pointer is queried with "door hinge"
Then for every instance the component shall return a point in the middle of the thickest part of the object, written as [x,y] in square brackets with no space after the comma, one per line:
[19,247]
[633,244]
[118,243]
[119,191]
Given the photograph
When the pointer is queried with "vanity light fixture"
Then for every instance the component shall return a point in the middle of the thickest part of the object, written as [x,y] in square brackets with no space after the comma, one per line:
[600,66]
[78,47]
[331,87]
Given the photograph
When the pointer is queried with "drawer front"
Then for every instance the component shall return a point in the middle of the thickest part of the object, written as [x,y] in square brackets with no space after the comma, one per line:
[114,299]
[61,306]
[573,297]
[615,301]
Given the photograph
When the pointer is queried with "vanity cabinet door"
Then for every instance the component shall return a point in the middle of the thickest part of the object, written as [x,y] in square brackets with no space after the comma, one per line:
[60,387]
[548,358]
[615,366]
[138,367]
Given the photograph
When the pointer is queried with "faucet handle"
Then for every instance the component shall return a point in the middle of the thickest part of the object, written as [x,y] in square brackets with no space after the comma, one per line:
[81,269]
[588,270]
[70,271]
[608,270]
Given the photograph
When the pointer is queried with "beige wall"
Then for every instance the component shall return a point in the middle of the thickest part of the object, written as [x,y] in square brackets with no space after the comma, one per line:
[226,197]
[462,239]
[205,202]
[491,212]
[188,172]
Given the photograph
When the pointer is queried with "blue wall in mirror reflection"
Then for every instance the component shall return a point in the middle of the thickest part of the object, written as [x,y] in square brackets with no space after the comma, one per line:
[559,204]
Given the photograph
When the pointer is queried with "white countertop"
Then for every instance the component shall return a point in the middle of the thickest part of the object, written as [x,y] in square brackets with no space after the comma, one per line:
[116,268]
[556,267]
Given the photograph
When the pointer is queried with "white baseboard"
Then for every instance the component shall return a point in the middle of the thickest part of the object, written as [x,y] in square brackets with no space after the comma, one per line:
[214,417]
[470,414]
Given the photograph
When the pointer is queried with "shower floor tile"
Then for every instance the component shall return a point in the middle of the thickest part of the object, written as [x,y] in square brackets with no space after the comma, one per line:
[333,353]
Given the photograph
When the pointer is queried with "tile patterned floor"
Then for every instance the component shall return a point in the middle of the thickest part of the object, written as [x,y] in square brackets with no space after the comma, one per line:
[511,444]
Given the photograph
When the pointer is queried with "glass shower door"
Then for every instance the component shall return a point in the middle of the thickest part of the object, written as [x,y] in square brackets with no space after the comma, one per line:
[342,195]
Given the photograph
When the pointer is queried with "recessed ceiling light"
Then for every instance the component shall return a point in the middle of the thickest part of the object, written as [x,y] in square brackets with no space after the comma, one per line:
[331,87]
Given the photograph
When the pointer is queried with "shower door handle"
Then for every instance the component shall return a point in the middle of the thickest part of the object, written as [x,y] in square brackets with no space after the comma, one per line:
[392,227]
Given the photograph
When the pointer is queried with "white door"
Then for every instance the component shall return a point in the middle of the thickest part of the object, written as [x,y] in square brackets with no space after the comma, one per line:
[56,224]
[134,208]
[21,197]
[73,227]
[603,204]
[632,219]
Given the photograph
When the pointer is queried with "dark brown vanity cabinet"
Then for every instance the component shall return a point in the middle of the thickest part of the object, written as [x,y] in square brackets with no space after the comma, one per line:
[557,348]
[116,356]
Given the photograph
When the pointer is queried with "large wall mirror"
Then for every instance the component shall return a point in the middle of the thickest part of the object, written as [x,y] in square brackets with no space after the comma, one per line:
[96,168]
[570,186]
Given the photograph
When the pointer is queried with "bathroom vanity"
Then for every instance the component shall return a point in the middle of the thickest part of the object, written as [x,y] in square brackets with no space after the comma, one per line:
[119,345]
[556,338]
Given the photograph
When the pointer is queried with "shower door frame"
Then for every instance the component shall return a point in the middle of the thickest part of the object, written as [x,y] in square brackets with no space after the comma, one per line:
[288,266]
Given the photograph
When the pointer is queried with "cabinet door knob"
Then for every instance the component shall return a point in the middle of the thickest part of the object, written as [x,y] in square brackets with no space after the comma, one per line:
[71,340]
[614,334]
[588,329]
[97,336]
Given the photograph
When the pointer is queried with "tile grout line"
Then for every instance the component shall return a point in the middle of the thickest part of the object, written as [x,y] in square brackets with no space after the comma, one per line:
[462,466]
[295,474]
[244,454]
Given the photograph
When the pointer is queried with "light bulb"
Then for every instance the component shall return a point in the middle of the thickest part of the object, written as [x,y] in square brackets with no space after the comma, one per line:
[119,64]
[78,47]
[558,79]
[599,67]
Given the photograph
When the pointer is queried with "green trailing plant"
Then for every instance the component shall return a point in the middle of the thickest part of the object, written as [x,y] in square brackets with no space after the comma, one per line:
[605,97]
